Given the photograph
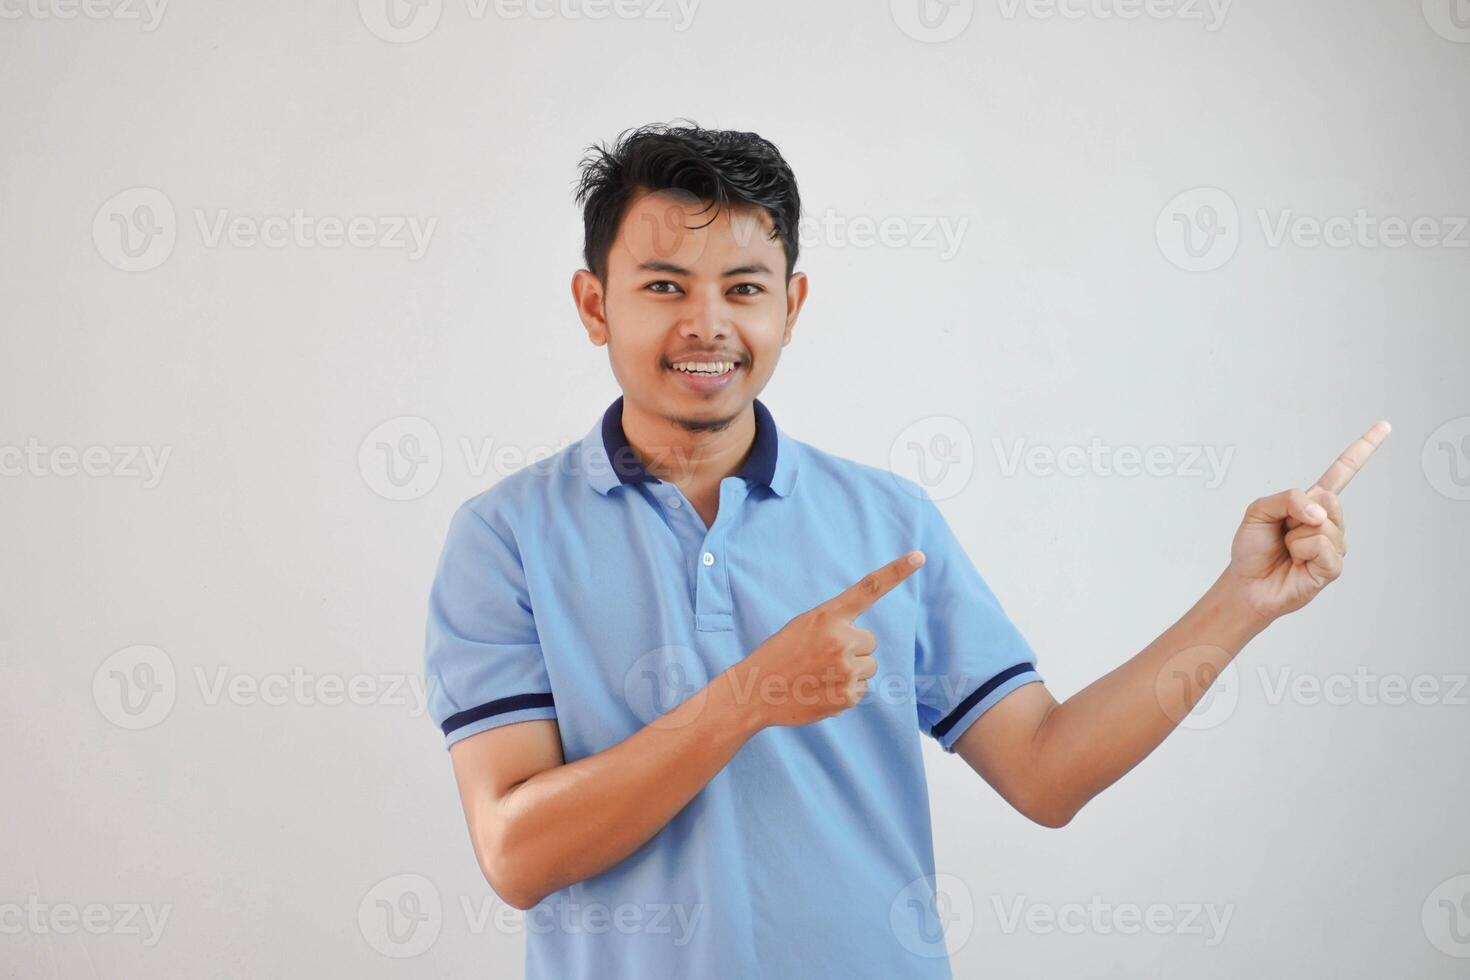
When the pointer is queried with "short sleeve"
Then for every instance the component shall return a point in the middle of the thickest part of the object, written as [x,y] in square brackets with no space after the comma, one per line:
[967,653]
[483,664]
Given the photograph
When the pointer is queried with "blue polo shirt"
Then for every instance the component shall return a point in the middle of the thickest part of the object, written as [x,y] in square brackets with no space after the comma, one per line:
[586,590]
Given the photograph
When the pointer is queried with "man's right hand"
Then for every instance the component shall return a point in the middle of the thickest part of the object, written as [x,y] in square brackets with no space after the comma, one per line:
[818,664]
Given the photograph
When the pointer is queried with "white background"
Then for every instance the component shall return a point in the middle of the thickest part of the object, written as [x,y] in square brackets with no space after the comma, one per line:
[1331,831]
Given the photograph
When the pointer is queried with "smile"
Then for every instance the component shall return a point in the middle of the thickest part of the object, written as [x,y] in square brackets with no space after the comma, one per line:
[705,376]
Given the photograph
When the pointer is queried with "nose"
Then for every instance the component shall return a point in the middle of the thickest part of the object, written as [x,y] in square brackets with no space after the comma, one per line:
[706,315]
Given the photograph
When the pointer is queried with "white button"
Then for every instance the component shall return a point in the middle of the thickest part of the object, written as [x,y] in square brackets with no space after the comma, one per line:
[674,502]
[709,559]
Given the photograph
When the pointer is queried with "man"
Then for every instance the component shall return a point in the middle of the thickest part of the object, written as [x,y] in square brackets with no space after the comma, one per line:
[683,720]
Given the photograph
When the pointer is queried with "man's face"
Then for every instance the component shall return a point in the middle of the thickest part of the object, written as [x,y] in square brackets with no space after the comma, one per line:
[694,317]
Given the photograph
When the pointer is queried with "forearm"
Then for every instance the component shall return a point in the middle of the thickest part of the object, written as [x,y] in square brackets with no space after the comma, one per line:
[573,821]
[1089,741]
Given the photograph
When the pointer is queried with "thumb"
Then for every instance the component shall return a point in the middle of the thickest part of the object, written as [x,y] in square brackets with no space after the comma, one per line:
[1288,503]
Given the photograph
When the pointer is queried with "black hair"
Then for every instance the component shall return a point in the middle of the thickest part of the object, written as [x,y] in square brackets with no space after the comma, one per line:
[723,167]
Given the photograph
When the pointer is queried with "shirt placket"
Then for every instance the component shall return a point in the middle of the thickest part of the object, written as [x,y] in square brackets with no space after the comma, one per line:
[705,550]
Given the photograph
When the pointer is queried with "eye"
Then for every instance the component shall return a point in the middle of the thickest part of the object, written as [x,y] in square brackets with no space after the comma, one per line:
[661,282]
[750,285]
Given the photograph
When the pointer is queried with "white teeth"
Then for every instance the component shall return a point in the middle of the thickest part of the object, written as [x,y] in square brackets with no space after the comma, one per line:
[704,367]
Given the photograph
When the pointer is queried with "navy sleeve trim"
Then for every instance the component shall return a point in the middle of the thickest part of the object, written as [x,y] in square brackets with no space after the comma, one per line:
[499,706]
[978,695]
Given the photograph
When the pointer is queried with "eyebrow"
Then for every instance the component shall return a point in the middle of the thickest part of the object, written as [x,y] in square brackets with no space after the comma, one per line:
[753,269]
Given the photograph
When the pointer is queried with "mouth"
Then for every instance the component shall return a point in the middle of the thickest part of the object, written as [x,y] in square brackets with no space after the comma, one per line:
[704,376]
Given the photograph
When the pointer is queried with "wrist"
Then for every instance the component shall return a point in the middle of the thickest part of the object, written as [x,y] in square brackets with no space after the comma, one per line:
[1229,605]
[734,689]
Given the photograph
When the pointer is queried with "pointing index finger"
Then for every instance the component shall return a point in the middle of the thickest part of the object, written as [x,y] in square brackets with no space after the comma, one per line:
[1346,466]
[858,598]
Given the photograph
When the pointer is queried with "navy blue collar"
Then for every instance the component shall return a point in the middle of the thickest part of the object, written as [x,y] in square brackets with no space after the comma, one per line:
[759,467]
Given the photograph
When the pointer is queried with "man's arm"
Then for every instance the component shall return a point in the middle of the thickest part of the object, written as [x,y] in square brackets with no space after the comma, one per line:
[538,824]
[1048,759]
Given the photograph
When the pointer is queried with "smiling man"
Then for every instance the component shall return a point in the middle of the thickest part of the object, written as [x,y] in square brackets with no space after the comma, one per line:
[685,665]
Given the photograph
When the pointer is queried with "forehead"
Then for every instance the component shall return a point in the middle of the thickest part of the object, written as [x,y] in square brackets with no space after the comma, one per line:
[674,227]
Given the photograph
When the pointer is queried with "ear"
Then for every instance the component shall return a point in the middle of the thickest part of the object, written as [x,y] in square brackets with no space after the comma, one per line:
[796,291]
[588,295]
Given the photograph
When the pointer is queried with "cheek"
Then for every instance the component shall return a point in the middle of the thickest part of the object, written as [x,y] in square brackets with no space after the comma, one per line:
[637,329]
[766,337]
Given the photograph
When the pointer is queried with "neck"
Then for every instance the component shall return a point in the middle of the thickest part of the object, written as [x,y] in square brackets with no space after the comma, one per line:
[689,452]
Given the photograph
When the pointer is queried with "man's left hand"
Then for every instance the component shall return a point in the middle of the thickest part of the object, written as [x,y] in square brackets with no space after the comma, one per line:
[1291,544]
